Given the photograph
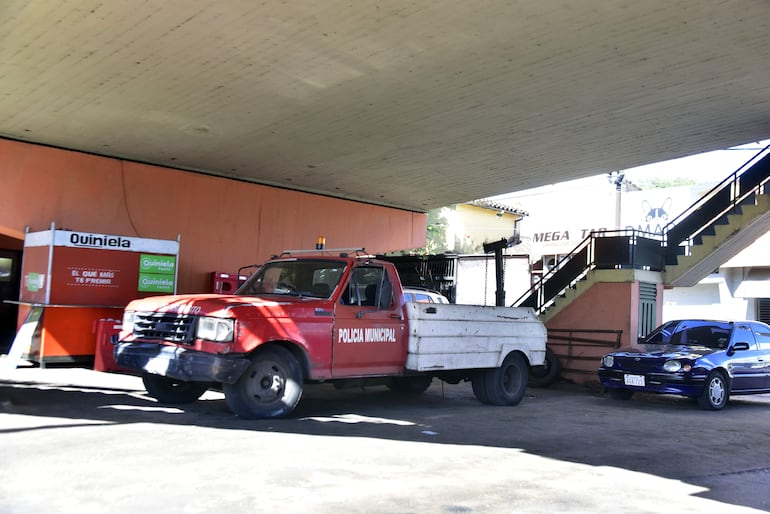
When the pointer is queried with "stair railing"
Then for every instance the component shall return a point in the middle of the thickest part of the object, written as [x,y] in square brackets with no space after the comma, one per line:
[610,249]
[643,250]
[738,188]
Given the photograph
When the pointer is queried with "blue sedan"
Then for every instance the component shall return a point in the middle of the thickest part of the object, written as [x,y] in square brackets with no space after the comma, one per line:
[706,360]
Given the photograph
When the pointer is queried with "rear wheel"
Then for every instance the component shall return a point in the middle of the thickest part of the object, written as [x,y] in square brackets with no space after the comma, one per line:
[548,373]
[169,390]
[270,388]
[620,394]
[505,385]
[715,393]
[479,386]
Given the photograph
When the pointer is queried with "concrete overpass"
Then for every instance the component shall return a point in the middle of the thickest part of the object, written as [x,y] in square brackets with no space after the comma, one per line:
[413,105]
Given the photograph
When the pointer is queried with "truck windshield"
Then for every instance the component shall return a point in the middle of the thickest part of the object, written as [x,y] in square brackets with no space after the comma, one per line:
[314,278]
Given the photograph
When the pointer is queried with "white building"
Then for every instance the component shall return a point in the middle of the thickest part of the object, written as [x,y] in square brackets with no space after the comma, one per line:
[561,216]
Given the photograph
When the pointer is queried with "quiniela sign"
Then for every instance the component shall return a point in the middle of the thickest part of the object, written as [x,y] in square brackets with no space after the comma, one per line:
[156,273]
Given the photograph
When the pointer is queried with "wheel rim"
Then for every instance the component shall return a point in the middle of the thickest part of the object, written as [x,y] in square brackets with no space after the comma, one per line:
[267,382]
[511,379]
[716,391]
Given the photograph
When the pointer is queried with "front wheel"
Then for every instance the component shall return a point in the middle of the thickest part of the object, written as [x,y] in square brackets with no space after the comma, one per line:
[715,393]
[169,390]
[505,385]
[271,386]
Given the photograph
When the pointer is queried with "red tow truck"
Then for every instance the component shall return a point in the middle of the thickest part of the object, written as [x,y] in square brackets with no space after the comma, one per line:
[334,316]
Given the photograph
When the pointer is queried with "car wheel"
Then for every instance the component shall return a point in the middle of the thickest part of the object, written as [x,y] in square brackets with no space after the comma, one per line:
[169,390]
[548,373]
[715,392]
[271,386]
[620,394]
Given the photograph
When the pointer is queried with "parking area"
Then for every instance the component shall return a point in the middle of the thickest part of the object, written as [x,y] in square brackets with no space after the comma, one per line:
[75,440]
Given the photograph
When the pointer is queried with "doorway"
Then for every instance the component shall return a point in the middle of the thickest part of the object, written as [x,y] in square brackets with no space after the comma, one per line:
[10,285]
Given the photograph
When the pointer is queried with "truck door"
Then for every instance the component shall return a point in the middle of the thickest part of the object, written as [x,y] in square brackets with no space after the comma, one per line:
[369,329]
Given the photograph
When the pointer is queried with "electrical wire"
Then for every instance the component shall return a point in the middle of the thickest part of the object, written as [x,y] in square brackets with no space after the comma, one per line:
[125,199]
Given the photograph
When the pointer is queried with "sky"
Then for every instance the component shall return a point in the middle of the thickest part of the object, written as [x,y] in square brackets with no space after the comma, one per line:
[703,168]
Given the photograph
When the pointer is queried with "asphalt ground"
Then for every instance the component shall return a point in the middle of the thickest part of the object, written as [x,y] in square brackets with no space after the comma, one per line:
[79,441]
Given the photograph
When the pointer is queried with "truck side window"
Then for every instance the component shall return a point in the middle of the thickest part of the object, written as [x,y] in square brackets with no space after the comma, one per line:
[369,286]
[386,293]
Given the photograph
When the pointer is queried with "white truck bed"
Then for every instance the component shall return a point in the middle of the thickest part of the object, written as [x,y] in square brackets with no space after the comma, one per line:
[449,336]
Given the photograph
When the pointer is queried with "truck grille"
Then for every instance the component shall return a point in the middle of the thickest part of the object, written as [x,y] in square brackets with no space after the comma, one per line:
[176,328]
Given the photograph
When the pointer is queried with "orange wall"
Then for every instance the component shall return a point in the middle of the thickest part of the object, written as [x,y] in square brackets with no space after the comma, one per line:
[223,223]
[605,306]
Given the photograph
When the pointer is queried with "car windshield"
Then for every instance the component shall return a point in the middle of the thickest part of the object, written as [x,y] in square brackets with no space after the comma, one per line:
[314,278]
[712,334]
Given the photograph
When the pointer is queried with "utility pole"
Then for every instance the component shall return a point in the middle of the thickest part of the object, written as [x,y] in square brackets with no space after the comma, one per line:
[616,178]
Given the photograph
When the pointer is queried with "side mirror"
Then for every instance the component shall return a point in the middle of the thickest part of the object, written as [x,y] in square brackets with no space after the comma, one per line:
[737,347]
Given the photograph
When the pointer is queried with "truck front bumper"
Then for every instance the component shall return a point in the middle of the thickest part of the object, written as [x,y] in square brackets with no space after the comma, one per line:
[180,363]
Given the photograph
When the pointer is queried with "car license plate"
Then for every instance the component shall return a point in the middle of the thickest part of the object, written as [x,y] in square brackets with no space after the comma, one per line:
[633,380]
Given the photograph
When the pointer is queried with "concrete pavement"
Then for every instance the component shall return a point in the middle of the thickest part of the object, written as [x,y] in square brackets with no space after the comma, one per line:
[74,440]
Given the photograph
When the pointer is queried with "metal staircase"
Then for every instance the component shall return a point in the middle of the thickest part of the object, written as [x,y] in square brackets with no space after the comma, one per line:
[715,228]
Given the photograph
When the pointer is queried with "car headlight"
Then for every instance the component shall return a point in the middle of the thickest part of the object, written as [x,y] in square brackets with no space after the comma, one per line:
[215,329]
[128,321]
[608,361]
[672,366]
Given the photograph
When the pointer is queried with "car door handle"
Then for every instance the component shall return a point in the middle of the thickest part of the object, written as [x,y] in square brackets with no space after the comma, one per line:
[360,314]
[396,316]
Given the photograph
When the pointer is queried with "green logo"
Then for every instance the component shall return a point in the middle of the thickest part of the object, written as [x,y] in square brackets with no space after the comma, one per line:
[34,282]
[156,273]
[161,264]
[156,283]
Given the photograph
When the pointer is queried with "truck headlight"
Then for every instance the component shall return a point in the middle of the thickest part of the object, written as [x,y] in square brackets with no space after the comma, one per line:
[215,329]
[128,321]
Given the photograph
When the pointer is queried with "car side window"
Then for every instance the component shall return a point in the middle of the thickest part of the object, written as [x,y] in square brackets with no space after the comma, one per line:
[744,334]
[763,337]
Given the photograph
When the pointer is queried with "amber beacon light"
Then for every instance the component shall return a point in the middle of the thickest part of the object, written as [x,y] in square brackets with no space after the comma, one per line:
[320,242]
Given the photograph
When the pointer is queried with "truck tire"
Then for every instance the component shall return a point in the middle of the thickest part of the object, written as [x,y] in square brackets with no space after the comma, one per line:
[410,385]
[548,373]
[169,390]
[505,385]
[271,386]
[479,386]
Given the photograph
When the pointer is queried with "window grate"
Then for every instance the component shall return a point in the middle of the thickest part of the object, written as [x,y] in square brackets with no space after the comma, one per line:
[648,308]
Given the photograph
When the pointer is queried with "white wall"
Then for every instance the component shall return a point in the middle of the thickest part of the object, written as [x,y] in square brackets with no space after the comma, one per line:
[709,299]
[474,271]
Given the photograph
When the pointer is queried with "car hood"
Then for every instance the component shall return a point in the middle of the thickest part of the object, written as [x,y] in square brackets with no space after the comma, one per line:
[215,304]
[664,351]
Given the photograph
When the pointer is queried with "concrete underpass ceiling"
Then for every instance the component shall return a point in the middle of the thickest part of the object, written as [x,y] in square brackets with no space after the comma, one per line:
[412,104]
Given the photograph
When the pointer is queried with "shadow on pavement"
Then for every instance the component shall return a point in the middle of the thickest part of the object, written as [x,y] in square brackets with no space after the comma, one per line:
[664,436]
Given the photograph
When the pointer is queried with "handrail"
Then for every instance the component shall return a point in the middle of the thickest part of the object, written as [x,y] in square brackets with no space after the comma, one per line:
[731,178]
[677,237]
[724,198]
[610,249]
